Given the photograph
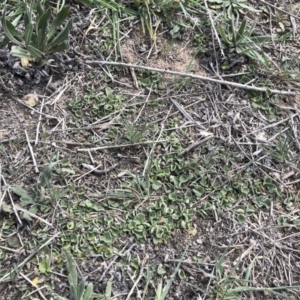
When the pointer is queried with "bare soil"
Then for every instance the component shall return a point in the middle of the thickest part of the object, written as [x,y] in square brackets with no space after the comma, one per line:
[274,248]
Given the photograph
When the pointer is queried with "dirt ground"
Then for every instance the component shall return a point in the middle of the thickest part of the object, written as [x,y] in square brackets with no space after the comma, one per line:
[50,130]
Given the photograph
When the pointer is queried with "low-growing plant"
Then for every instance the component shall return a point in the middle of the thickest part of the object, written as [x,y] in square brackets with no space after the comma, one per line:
[227,284]
[133,132]
[231,7]
[243,41]
[79,291]
[40,37]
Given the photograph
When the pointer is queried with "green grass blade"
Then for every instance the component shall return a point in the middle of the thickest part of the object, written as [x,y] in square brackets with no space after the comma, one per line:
[241,30]
[10,31]
[73,290]
[88,292]
[62,36]
[80,288]
[58,48]
[19,52]
[223,34]
[71,266]
[108,288]
[28,34]
[35,53]
[168,285]
[61,16]
[42,22]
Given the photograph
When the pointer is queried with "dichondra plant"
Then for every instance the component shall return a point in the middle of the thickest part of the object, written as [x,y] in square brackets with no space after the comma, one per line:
[40,37]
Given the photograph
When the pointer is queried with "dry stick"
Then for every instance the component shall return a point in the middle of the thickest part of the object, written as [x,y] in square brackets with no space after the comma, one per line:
[277,8]
[36,290]
[214,28]
[34,285]
[21,102]
[12,202]
[143,107]
[152,150]
[197,143]
[186,114]
[26,260]
[139,277]
[270,126]
[100,126]
[31,153]
[205,78]
[32,215]
[9,249]
[58,96]
[39,124]
[1,198]
[119,146]
[95,170]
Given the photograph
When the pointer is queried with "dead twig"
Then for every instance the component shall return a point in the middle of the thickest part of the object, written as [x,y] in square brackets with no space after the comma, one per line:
[3,204]
[120,146]
[139,277]
[279,9]
[205,78]
[186,114]
[26,260]
[96,171]
[38,290]
[39,123]
[214,27]
[196,144]
[31,153]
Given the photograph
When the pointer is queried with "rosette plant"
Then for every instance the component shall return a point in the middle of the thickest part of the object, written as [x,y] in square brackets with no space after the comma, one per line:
[41,36]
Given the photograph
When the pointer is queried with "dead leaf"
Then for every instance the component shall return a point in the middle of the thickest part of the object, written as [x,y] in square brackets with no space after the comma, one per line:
[52,122]
[25,61]
[261,136]
[31,100]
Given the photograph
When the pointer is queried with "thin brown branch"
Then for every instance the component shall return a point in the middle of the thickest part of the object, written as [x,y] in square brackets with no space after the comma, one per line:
[119,146]
[205,78]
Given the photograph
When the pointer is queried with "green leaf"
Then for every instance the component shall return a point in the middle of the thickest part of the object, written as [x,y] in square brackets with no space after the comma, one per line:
[58,48]
[46,176]
[35,53]
[241,218]
[240,33]
[89,292]
[28,34]
[62,36]
[70,225]
[61,16]
[80,288]
[169,283]
[71,266]
[73,291]
[135,263]
[41,28]
[27,20]
[44,266]
[57,297]
[28,14]
[39,9]
[181,274]
[108,288]
[252,27]
[223,35]
[216,1]
[10,30]
[20,191]
[160,270]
